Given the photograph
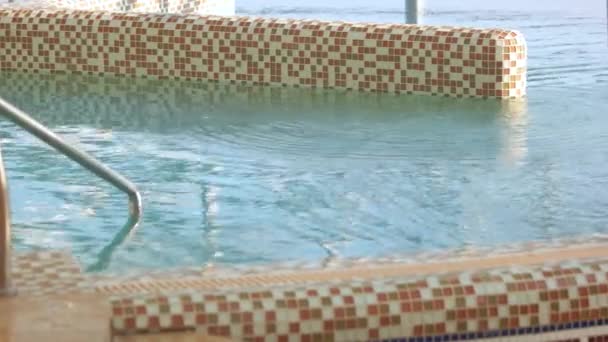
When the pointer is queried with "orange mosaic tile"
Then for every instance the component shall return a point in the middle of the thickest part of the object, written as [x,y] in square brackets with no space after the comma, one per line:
[553,301]
[460,62]
[47,272]
[461,306]
[213,7]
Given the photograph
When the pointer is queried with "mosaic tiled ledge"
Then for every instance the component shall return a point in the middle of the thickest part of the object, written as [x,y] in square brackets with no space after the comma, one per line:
[464,306]
[459,62]
[202,7]
[548,300]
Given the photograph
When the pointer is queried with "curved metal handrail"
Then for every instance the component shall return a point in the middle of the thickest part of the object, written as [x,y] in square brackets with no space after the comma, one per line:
[26,122]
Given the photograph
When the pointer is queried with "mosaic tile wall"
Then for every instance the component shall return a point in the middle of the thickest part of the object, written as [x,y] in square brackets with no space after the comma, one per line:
[206,7]
[396,58]
[566,302]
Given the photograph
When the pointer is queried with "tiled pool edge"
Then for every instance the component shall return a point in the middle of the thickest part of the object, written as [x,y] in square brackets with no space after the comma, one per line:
[459,62]
[464,306]
[201,7]
[567,291]
[204,7]
[520,287]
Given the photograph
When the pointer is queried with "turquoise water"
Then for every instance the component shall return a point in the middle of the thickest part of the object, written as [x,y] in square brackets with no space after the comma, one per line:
[240,175]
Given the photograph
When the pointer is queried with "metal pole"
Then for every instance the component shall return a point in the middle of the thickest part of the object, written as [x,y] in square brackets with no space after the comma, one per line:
[413,11]
[6,288]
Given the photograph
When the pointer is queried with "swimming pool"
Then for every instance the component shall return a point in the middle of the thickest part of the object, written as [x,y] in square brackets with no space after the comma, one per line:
[239,175]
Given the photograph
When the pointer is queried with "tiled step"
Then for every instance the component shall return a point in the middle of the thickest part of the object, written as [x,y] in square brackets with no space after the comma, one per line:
[538,299]
[47,272]
[526,301]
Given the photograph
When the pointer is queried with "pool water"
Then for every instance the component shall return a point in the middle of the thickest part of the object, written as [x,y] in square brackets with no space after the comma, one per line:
[243,175]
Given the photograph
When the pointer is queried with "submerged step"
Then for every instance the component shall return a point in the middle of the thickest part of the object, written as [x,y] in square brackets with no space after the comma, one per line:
[53,272]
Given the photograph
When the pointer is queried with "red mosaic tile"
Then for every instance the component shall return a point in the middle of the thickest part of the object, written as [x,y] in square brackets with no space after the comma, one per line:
[364,57]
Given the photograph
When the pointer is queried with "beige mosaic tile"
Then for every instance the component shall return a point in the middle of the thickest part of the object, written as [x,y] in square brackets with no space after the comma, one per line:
[203,7]
[397,58]
[539,301]
[47,272]
[505,302]
[214,7]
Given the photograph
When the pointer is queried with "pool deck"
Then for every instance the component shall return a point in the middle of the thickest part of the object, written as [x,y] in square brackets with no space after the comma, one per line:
[50,306]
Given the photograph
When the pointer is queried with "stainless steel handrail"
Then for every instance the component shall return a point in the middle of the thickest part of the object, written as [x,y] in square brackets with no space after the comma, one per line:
[26,122]
[5,237]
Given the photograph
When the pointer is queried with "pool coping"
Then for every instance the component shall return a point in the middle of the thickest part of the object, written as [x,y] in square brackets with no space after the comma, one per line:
[177,284]
[577,275]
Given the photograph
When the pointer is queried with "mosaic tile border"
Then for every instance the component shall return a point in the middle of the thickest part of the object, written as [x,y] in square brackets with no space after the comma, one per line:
[564,298]
[458,62]
[47,273]
[483,304]
[202,7]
